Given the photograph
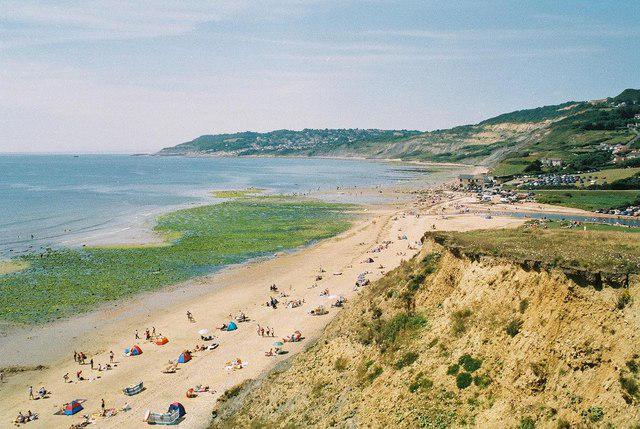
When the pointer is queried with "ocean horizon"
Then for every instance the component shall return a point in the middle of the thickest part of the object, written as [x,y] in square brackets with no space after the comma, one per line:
[69,200]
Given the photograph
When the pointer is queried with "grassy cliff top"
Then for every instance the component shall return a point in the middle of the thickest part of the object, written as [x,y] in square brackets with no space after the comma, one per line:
[446,342]
[600,248]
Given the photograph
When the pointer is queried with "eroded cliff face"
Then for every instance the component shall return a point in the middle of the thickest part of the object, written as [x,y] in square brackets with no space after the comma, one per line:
[448,341]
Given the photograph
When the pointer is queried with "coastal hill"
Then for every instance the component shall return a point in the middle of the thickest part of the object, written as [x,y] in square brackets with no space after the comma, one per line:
[492,328]
[508,143]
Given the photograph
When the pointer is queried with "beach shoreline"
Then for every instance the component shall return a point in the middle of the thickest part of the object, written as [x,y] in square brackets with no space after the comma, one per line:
[49,345]
[213,299]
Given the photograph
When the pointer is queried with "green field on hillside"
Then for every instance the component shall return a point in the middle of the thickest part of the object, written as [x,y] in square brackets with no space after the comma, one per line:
[611,175]
[587,199]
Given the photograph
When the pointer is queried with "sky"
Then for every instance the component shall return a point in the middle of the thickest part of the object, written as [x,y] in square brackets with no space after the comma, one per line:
[115,76]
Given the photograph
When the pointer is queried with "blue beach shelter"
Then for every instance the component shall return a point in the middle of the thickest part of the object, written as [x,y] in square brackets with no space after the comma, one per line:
[184,357]
[72,407]
[177,406]
[232,326]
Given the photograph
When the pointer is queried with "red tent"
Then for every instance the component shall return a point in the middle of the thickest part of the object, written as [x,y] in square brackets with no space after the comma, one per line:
[184,357]
[72,407]
[135,350]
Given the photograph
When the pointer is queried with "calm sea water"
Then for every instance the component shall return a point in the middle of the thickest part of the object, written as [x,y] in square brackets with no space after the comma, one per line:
[50,200]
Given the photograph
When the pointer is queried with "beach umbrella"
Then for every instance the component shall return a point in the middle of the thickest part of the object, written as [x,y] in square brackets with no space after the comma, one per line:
[203,331]
[278,344]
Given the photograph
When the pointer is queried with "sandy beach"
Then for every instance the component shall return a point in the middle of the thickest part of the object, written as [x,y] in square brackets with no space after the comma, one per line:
[214,300]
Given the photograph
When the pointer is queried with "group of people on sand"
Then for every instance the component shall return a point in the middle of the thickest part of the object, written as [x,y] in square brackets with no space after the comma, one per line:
[25,418]
[235,364]
[273,302]
[294,303]
[274,351]
[293,338]
[42,393]
[268,332]
[149,335]
[79,357]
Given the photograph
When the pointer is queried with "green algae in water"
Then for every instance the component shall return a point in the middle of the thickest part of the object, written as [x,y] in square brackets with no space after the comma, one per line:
[65,282]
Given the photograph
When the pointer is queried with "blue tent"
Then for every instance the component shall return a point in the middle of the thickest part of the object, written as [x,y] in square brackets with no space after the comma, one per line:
[72,407]
[184,357]
[177,406]
[232,326]
[133,351]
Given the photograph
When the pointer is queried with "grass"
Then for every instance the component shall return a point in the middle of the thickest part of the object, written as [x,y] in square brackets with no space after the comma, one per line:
[459,320]
[406,360]
[513,328]
[64,282]
[8,267]
[593,250]
[595,227]
[238,193]
[611,175]
[401,323]
[587,199]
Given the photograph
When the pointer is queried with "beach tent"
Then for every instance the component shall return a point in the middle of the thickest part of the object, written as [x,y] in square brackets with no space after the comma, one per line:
[177,406]
[184,357]
[232,326]
[162,341]
[72,407]
[133,351]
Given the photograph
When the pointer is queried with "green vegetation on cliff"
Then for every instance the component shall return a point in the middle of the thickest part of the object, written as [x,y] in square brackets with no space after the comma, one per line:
[508,142]
[449,341]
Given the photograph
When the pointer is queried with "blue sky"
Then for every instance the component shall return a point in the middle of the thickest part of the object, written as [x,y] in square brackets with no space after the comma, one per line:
[138,76]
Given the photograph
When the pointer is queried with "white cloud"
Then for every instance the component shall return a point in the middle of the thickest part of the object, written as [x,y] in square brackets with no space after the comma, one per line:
[27,22]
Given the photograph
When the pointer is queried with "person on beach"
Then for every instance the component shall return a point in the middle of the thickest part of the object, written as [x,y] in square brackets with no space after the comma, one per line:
[153,331]
[65,377]
[190,317]
[268,332]
[136,335]
[31,392]
[103,407]
[75,356]
[262,332]
[258,330]
[111,356]
[91,363]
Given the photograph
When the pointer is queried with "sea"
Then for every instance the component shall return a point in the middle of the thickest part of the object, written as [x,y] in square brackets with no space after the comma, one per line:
[70,200]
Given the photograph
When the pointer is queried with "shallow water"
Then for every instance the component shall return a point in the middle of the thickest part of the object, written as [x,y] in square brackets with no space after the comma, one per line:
[49,200]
